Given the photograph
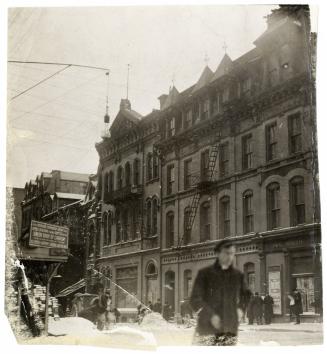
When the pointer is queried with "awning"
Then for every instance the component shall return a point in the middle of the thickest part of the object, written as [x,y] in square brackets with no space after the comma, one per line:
[72,288]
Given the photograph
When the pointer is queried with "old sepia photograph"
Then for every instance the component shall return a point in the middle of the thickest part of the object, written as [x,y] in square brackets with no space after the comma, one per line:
[162,182]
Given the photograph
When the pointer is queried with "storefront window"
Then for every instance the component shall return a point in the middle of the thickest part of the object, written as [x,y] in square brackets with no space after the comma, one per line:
[305,284]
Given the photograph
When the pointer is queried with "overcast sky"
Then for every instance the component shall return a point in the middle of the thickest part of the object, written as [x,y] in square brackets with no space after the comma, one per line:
[56,125]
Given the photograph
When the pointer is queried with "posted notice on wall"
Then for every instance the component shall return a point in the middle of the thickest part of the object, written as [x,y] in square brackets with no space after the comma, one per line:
[48,235]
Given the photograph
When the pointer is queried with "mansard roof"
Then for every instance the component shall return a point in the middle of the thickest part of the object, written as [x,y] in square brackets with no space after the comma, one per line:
[125,118]
[204,79]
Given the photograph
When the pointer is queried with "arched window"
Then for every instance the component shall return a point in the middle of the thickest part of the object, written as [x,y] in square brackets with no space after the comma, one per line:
[224,216]
[248,211]
[205,221]
[106,182]
[118,226]
[120,178]
[111,181]
[105,229]
[127,174]
[109,238]
[91,241]
[273,206]
[149,167]
[187,283]
[125,225]
[154,216]
[187,230]
[249,273]
[155,165]
[136,172]
[297,204]
[170,229]
[148,218]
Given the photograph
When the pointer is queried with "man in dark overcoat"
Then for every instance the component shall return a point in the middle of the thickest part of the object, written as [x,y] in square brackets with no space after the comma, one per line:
[268,303]
[219,297]
[297,307]
[257,308]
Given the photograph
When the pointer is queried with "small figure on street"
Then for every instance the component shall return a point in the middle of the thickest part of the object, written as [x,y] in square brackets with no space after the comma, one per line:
[219,297]
[77,305]
[249,312]
[150,305]
[167,311]
[257,308]
[297,307]
[101,307]
[268,303]
[157,307]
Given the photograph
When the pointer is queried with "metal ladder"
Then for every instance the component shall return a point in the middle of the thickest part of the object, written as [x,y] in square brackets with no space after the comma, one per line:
[196,197]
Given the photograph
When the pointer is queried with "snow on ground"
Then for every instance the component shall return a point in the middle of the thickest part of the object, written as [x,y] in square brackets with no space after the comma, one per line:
[155,331]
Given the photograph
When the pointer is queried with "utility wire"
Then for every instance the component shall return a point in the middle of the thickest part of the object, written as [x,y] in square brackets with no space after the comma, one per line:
[40,82]
[53,63]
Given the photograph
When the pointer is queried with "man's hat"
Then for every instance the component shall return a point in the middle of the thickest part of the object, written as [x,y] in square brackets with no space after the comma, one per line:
[223,244]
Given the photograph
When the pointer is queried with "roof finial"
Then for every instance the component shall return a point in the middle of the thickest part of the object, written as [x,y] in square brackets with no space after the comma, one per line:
[106,117]
[225,47]
[127,84]
[206,58]
[173,80]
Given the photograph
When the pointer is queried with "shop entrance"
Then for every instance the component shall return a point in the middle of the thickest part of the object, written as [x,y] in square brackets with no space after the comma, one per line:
[170,288]
[305,284]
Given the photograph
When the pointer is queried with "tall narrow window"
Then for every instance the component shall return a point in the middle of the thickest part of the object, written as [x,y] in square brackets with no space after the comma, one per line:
[111,181]
[120,178]
[170,179]
[205,109]
[271,141]
[155,165]
[118,226]
[171,127]
[170,229]
[154,216]
[205,221]
[188,119]
[148,218]
[205,165]
[247,151]
[109,238]
[105,229]
[187,173]
[297,201]
[127,174]
[187,230]
[224,160]
[273,206]
[248,212]
[136,172]
[125,222]
[224,207]
[149,167]
[294,133]
[106,182]
[187,283]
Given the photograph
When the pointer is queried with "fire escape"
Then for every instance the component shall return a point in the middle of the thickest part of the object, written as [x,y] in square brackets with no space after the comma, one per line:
[201,182]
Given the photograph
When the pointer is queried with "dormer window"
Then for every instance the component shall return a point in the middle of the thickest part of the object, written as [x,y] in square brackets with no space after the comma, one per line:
[188,119]
[171,127]
[225,94]
[205,109]
[246,87]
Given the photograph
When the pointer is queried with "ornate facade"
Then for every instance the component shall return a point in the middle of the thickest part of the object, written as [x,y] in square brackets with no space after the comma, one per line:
[236,154]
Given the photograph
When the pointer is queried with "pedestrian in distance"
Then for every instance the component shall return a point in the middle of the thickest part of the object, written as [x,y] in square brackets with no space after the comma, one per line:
[219,297]
[297,307]
[249,312]
[257,308]
[268,304]
[157,307]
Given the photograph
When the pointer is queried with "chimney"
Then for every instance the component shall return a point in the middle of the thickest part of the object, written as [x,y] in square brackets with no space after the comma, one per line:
[162,100]
[125,104]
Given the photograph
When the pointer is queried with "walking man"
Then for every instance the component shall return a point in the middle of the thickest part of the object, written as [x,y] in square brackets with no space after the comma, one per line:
[268,303]
[219,297]
[257,308]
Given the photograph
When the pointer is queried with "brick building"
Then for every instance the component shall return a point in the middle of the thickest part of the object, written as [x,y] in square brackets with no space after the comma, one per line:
[234,156]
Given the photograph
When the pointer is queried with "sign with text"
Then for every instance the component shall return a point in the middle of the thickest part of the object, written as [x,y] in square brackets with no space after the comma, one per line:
[48,235]
[275,290]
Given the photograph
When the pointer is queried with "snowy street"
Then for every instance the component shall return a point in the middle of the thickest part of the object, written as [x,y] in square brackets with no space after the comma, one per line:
[157,332]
